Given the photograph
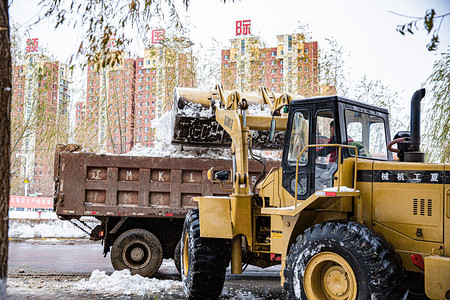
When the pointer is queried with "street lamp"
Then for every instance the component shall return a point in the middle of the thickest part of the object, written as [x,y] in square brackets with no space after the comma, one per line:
[25,182]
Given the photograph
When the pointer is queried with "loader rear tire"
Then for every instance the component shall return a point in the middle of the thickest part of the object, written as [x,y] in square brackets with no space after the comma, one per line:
[203,261]
[137,250]
[343,260]
[177,256]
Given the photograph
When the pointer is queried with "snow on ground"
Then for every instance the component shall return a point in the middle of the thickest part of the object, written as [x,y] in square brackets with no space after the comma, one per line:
[123,283]
[46,228]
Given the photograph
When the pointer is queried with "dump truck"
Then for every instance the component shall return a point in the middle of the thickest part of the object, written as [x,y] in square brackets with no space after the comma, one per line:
[342,217]
[140,201]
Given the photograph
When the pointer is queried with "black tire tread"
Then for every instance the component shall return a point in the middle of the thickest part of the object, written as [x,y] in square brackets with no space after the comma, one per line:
[153,242]
[385,273]
[208,262]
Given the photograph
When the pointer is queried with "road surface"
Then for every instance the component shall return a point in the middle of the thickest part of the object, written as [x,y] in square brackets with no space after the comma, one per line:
[53,269]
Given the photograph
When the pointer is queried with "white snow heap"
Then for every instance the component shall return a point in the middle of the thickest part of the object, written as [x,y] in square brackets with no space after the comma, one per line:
[162,146]
[123,283]
[30,229]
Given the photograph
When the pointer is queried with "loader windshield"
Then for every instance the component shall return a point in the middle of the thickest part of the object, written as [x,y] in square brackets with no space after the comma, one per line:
[367,133]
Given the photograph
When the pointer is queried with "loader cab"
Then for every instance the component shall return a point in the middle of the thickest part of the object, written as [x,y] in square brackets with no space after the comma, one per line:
[324,121]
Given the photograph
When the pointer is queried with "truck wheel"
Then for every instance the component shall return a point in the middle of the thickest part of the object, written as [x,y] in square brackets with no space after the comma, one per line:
[203,261]
[177,256]
[137,250]
[343,260]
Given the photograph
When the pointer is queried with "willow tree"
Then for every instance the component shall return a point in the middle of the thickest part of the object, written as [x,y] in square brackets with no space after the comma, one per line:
[437,134]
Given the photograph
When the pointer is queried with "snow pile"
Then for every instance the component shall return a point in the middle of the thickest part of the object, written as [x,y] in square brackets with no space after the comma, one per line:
[341,189]
[259,110]
[241,295]
[196,110]
[162,146]
[51,229]
[123,283]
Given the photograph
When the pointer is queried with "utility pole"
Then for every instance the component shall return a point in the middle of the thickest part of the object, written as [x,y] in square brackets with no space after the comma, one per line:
[5,142]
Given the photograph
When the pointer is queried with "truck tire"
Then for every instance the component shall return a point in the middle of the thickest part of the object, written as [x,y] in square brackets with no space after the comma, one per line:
[203,261]
[137,250]
[177,256]
[343,260]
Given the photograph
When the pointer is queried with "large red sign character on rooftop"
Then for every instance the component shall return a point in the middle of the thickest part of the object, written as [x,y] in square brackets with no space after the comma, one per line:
[32,45]
[243,27]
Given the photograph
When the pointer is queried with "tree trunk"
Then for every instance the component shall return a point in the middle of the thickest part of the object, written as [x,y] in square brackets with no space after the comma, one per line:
[5,113]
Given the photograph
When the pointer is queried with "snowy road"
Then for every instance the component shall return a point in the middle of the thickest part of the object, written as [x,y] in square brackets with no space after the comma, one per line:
[63,269]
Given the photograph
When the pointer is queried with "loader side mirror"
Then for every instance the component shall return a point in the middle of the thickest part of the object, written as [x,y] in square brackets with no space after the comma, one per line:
[273,125]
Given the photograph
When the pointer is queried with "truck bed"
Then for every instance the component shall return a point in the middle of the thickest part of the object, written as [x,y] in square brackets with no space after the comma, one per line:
[89,184]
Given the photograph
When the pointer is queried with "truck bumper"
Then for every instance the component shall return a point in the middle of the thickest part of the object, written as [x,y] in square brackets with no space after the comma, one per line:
[437,277]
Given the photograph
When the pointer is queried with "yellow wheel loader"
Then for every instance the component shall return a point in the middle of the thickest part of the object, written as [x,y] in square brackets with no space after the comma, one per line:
[347,215]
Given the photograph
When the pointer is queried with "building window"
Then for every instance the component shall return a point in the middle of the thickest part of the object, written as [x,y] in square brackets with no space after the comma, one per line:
[225,65]
[289,43]
[274,53]
[140,63]
[146,121]
[274,80]
[272,63]
[140,71]
[242,47]
[140,79]
[227,57]
[274,71]
[306,51]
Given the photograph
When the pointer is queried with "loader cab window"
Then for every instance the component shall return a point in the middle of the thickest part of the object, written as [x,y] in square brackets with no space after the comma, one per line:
[325,163]
[299,138]
[367,133]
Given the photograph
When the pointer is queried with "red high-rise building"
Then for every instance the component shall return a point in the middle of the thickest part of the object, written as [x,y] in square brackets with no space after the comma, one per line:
[39,118]
[121,101]
[290,67]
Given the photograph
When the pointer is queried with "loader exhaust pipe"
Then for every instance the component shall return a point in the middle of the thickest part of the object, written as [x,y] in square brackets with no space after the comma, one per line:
[414,154]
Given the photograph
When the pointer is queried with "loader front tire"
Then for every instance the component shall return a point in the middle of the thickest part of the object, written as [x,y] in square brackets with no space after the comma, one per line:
[343,260]
[203,261]
[138,250]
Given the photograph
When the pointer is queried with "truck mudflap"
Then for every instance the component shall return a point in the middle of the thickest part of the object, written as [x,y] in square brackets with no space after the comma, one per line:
[437,277]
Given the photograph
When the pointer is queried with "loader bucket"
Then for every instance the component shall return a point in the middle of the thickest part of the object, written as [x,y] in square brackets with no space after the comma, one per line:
[194,124]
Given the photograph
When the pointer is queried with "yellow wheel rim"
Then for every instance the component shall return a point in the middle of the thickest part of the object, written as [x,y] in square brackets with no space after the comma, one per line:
[329,276]
[185,254]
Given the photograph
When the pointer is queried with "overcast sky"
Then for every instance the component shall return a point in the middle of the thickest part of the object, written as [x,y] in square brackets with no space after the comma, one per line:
[365,29]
